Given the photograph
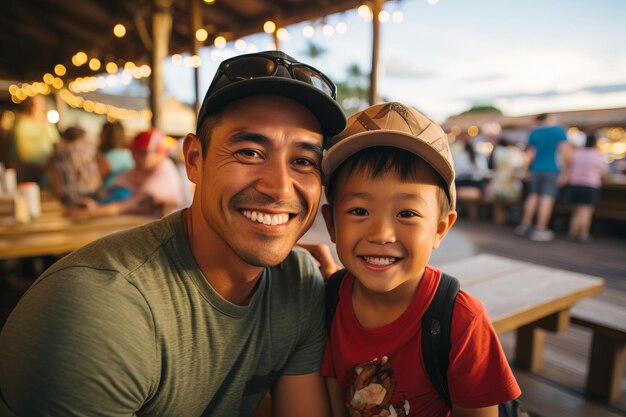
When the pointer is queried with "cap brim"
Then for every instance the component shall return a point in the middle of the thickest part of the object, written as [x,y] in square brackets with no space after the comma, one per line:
[347,147]
[330,116]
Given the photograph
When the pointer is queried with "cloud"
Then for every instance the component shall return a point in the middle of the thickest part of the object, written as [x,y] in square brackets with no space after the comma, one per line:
[397,68]
[595,89]
[603,89]
[482,78]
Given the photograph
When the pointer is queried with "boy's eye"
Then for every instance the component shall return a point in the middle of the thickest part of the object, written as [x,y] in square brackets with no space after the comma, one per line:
[407,214]
[358,212]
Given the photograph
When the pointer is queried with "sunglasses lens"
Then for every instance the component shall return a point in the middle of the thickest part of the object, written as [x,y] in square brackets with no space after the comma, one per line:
[307,75]
[251,67]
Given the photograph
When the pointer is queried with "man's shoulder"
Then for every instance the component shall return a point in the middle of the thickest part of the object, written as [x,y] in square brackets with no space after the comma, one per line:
[120,252]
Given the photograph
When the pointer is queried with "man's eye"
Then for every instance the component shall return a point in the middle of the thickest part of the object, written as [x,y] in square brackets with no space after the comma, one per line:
[250,153]
[358,212]
[303,162]
[407,214]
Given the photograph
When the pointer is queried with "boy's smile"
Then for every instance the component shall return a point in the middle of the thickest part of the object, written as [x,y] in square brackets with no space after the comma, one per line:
[384,228]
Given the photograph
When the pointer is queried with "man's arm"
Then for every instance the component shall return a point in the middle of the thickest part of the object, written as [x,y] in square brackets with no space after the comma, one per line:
[491,411]
[300,396]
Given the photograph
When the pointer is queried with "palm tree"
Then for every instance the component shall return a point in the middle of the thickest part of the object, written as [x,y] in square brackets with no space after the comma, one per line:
[314,51]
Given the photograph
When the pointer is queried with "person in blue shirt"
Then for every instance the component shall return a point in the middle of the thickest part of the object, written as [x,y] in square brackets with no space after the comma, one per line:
[547,147]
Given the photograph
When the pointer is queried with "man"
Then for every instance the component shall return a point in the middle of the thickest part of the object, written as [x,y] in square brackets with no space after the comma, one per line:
[152,187]
[546,144]
[200,313]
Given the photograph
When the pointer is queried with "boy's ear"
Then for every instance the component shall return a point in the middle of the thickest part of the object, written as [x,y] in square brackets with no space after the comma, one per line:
[444,225]
[330,224]
[192,150]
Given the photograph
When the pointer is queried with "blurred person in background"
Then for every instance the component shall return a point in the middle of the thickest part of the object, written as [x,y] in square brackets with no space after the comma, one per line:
[547,146]
[584,178]
[471,170]
[33,141]
[73,168]
[153,187]
[115,156]
[507,164]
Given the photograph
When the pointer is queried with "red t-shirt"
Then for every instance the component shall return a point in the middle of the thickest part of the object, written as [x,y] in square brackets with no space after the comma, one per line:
[383,367]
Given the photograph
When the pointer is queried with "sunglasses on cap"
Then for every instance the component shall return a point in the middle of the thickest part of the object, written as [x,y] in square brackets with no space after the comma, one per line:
[263,65]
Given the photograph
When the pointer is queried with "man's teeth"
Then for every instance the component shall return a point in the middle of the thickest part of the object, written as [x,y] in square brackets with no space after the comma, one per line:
[265,218]
[379,260]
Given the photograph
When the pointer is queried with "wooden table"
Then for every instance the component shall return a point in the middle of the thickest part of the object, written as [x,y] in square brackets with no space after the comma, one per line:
[57,235]
[524,297]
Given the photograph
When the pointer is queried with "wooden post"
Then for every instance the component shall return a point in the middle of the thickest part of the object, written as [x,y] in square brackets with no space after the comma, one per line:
[161,29]
[276,40]
[377,6]
[529,347]
[195,14]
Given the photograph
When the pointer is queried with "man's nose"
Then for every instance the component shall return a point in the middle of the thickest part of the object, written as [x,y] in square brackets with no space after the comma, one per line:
[381,231]
[276,181]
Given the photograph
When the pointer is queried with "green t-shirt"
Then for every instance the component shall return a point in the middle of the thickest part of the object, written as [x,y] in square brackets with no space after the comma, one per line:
[128,326]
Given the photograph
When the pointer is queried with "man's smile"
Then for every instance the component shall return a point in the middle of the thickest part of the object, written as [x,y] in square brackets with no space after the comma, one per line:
[266,218]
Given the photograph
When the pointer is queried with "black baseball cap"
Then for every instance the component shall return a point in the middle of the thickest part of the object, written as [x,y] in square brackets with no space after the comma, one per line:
[274,72]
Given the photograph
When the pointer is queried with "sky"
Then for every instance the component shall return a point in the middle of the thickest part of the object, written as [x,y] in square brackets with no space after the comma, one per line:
[522,56]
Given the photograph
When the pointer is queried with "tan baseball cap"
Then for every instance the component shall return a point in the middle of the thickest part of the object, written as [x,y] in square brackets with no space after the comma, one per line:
[397,125]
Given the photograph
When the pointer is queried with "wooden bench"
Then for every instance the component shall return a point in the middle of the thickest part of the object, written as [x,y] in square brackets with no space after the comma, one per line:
[546,399]
[608,349]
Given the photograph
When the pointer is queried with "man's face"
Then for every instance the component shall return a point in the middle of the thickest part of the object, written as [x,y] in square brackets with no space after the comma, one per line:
[258,186]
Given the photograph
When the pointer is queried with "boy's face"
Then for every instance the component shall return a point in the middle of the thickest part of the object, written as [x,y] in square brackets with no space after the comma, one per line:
[385,229]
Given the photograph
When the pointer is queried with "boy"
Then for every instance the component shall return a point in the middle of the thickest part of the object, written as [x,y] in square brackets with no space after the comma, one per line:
[391,199]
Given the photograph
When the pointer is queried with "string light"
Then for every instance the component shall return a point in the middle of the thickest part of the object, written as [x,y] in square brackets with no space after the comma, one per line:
[60,70]
[219,42]
[119,30]
[202,35]
[269,27]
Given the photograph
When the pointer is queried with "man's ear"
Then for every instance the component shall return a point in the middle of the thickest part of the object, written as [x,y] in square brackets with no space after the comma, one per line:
[192,150]
[330,223]
[444,225]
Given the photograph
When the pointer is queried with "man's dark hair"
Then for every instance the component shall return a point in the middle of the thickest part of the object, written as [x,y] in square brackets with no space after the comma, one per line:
[206,130]
[542,117]
[380,160]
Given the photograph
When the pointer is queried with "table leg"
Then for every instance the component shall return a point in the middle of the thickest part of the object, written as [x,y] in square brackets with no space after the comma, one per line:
[531,339]
[529,347]
[606,365]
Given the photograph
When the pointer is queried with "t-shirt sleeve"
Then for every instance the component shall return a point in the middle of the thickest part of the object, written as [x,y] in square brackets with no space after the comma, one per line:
[479,374]
[80,342]
[307,356]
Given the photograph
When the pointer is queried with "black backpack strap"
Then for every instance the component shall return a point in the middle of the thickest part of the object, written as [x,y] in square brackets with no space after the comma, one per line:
[332,297]
[436,324]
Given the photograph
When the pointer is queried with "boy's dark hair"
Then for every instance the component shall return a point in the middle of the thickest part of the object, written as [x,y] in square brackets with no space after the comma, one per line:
[379,160]
[541,117]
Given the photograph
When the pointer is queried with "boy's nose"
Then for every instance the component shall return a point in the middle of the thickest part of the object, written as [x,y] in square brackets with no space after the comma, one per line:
[381,232]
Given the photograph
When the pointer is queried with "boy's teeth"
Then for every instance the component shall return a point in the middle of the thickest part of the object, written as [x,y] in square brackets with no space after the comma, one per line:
[265,218]
[379,260]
